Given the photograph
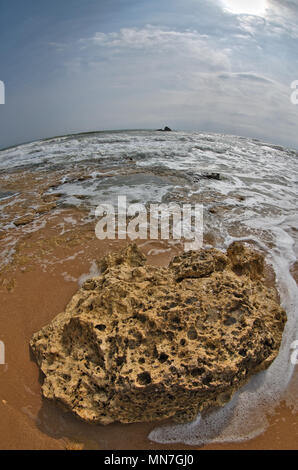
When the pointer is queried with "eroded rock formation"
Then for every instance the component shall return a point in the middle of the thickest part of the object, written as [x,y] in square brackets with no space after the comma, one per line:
[142,343]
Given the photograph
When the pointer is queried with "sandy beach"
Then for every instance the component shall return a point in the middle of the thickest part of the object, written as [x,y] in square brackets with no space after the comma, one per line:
[36,286]
[48,247]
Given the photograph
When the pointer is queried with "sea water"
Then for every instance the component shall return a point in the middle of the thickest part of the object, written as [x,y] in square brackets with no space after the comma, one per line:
[254,200]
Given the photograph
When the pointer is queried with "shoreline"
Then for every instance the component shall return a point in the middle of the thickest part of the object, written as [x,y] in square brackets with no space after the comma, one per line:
[40,282]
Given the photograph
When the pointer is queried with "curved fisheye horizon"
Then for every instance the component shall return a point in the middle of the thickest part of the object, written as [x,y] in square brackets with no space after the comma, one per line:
[131,130]
[217,66]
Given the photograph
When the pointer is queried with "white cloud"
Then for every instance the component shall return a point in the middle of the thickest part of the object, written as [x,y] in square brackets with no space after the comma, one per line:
[280,20]
[248,76]
[189,45]
[198,67]
[142,76]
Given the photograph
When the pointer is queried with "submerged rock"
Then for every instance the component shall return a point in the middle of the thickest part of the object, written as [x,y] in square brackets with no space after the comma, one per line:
[24,220]
[46,207]
[212,176]
[209,176]
[143,343]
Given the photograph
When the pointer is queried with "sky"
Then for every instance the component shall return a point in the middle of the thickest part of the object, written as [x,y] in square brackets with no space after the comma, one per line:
[206,65]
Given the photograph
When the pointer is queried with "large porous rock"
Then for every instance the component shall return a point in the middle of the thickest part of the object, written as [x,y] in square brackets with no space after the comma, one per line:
[142,343]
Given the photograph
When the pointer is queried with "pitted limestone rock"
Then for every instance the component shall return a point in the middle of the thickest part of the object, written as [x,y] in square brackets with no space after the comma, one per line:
[144,343]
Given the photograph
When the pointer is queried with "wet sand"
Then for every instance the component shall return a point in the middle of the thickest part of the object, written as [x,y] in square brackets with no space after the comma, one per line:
[36,284]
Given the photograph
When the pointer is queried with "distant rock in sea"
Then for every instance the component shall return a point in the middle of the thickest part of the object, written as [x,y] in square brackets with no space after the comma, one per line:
[143,343]
[166,129]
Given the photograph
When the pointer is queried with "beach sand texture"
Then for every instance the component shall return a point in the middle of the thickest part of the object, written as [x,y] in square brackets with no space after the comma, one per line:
[48,248]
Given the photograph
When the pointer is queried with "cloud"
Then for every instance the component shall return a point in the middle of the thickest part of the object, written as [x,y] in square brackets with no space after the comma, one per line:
[248,76]
[281,19]
[194,67]
[156,41]
[290,5]
[190,80]
[149,36]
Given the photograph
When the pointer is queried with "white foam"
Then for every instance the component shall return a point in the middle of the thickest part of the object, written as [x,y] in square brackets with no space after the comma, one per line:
[68,277]
[150,167]
[245,416]
[93,272]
